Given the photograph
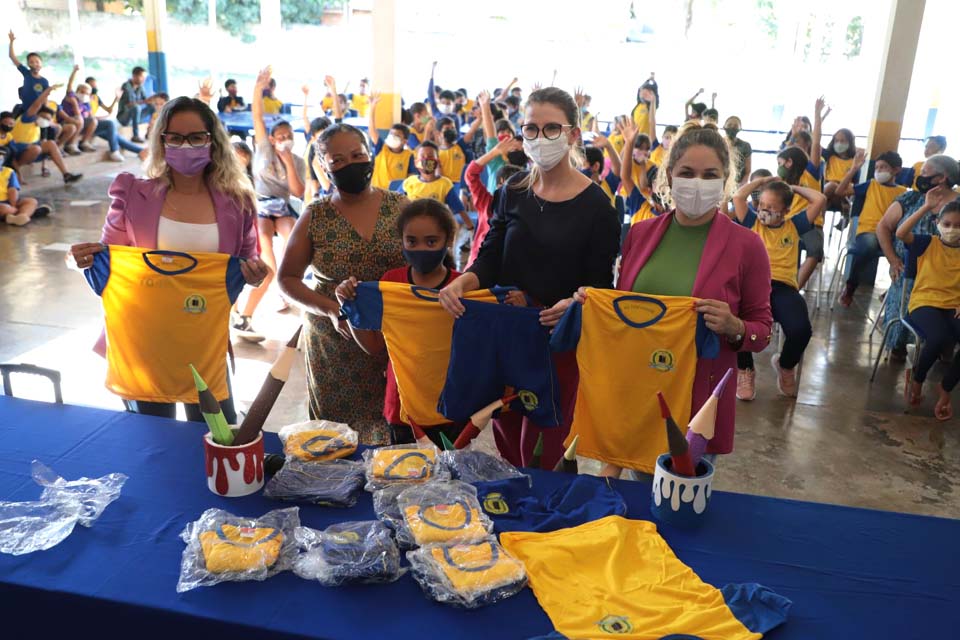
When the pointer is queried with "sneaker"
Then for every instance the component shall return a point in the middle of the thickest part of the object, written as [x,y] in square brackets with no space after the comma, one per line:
[43,211]
[846,298]
[17,219]
[244,329]
[786,378]
[71,149]
[137,140]
[746,384]
[86,147]
[70,178]
[115,156]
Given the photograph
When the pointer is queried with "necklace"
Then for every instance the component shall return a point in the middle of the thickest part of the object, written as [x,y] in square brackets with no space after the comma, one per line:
[537,200]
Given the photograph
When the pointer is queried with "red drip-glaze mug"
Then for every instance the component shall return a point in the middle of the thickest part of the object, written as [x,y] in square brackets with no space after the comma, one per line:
[234,471]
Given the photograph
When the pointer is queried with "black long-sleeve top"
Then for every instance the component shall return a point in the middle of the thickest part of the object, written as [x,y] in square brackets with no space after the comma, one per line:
[549,249]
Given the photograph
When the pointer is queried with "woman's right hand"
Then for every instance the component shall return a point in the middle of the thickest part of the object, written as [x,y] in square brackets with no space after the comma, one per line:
[80,256]
[450,296]
[340,324]
[896,268]
[937,197]
[346,290]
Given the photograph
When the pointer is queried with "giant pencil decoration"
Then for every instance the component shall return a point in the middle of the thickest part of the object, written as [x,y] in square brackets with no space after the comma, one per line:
[701,427]
[679,449]
[568,462]
[212,414]
[535,461]
[445,441]
[420,435]
[267,397]
[479,421]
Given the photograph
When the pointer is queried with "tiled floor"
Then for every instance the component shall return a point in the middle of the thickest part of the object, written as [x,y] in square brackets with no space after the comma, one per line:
[843,441]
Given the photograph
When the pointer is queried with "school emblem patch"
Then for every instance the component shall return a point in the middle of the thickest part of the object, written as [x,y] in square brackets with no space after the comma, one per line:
[195,303]
[615,625]
[662,360]
[495,504]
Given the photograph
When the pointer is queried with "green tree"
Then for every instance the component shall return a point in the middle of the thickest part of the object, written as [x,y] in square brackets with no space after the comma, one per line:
[768,18]
[854,37]
[306,11]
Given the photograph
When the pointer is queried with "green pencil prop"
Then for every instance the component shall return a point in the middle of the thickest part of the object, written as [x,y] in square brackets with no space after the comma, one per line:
[535,461]
[447,445]
[212,413]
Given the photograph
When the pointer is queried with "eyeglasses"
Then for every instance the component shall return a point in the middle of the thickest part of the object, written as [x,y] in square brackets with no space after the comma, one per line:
[195,139]
[550,131]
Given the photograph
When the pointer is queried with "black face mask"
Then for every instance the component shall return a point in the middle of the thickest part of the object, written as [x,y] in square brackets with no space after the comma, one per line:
[353,178]
[6,128]
[518,158]
[425,261]
[450,136]
[925,183]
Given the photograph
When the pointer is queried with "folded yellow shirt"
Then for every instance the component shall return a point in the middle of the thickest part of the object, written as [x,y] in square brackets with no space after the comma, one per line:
[475,568]
[403,464]
[443,523]
[317,445]
[238,549]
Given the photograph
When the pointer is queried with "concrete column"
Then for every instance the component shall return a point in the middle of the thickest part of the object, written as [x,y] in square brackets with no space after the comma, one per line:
[76,39]
[896,71]
[155,15]
[384,62]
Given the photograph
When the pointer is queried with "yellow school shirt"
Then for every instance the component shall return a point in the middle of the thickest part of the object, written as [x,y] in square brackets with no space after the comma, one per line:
[389,166]
[359,103]
[876,200]
[327,103]
[94,104]
[163,311]
[617,141]
[6,174]
[917,168]
[810,181]
[477,568]
[415,188]
[645,212]
[25,132]
[6,138]
[444,523]
[232,548]
[271,105]
[798,205]
[837,168]
[452,162]
[418,333]
[618,578]
[782,244]
[318,445]
[627,342]
[938,274]
[641,118]
[656,156]
[403,464]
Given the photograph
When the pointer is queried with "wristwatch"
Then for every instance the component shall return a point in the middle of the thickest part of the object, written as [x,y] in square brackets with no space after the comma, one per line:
[739,337]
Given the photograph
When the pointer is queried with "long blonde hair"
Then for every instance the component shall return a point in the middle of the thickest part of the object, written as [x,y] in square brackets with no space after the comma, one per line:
[565,102]
[225,173]
[690,135]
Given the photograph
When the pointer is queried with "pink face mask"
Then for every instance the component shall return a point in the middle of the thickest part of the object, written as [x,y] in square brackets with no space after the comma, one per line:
[187,160]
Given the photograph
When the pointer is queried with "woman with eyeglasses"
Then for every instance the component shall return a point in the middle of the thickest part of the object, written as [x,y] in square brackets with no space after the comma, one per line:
[553,231]
[196,198]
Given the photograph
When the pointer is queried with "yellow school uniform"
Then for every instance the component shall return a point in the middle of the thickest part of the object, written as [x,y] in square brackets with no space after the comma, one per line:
[657,155]
[782,244]
[641,118]
[25,132]
[628,584]
[389,166]
[318,445]
[438,189]
[403,464]
[6,175]
[94,104]
[812,181]
[876,199]
[452,162]
[359,103]
[6,138]
[477,568]
[658,342]
[617,141]
[327,103]
[232,548]
[917,168]
[444,523]
[645,212]
[271,105]
[837,168]
[938,274]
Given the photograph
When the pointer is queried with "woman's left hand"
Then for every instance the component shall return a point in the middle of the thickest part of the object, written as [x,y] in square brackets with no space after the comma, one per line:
[550,317]
[720,319]
[254,270]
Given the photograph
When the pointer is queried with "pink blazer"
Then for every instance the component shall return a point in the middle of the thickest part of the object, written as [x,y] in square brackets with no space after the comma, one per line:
[134,218]
[734,269]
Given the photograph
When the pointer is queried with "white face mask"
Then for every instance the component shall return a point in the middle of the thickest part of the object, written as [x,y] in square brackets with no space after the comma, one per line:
[285,145]
[43,123]
[883,177]
[950,236]
[445,109]
[547,154]
[841,147]
[393,141]
[696,197]
[84,98]
[770,218]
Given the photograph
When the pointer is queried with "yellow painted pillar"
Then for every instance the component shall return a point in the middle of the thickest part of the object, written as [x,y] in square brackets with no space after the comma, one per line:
[155,16]
[384,62]
[896,71]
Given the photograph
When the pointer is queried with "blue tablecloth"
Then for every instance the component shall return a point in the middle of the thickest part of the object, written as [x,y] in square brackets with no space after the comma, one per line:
[851,573]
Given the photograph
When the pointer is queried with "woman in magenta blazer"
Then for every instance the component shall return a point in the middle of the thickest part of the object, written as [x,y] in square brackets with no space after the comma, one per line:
[197,197]
[696,250]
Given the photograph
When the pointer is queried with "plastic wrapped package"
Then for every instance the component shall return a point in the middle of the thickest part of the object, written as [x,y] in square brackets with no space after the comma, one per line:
[348,552]
[441,512]
[467,575]
[93,494]
[404,464]
[386,507]
[222,547]
[318,440]
[336,483]
[471,466]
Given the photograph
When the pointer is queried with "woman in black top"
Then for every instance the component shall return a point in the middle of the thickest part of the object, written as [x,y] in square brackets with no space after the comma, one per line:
[553,231]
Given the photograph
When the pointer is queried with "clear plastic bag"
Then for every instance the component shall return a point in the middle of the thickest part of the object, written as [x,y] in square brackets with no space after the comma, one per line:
[386,507]
[318,440]
[222,547]
[404,464]
[330,484]
[348,552]
[467,575]
[441,512]
[26,527]
[93,494]
[471,466]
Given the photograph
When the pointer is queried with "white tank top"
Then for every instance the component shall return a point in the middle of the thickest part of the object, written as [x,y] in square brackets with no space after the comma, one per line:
[187,236]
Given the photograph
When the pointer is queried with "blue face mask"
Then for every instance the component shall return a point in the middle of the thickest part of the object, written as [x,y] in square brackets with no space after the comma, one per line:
[425,261]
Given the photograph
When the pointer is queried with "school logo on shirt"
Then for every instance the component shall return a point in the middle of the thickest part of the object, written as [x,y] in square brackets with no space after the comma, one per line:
[615,625]
[495,504]
[529,400]
[345,537]
[662,360]
[787,241]
[38,88]
[195,303]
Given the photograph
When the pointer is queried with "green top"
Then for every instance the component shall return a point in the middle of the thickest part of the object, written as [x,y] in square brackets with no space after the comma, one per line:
[672,269]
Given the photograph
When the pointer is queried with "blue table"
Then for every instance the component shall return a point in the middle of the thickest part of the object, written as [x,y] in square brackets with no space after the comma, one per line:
[851,573]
